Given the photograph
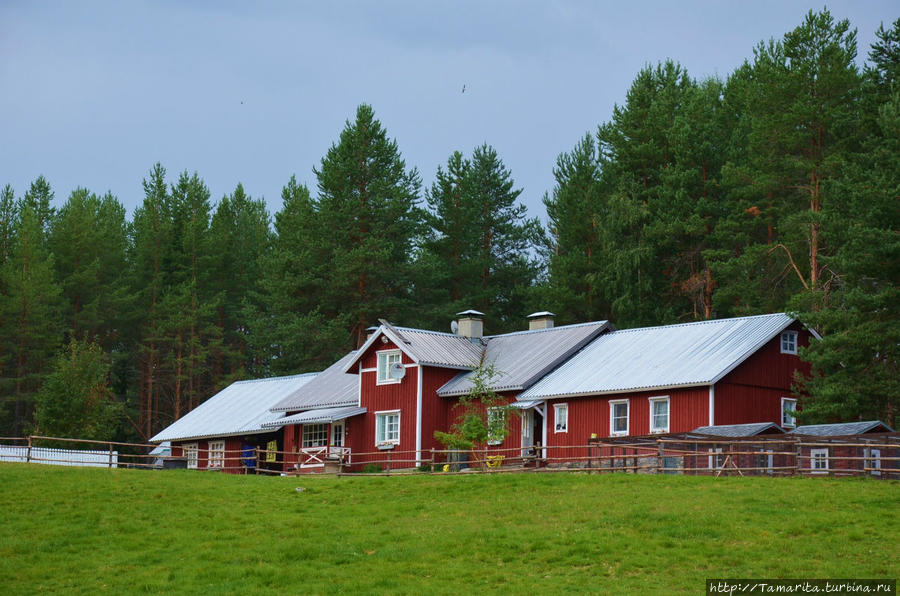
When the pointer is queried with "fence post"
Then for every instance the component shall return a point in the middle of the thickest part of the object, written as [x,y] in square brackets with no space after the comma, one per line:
[258,460]
[659,457]
[432,462]
[110,456]
[798,451]
[389,463]
[28,451]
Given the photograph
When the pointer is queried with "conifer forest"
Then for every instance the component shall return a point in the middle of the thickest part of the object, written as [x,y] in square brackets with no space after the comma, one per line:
[775,189]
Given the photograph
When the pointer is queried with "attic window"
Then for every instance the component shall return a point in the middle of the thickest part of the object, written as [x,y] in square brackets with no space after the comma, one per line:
[385,360]
[789,342]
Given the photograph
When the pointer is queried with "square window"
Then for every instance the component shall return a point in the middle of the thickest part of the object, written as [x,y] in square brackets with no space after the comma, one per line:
[314,435]
[789,342]
[385,360]
[387,428]
[659,414]
[818,460]
[788,406]
[561,418]
[618,417]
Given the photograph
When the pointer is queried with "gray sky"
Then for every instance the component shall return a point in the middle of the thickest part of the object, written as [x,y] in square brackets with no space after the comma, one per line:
[94,93]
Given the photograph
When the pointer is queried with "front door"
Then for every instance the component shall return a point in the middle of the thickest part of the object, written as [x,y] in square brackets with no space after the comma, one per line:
[532,432]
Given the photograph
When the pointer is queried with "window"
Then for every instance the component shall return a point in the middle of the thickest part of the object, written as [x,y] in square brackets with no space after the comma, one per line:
[659,414]
[818,461]
[337,434]
[618,417]
[216,454]
[314,435]
[387,428]
[385,360]
[788,406]
[190,452]
[717,460]
[789,342]
[561,418]
[496,425]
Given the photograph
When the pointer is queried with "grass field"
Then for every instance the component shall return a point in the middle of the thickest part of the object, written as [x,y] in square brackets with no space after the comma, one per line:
[90,531]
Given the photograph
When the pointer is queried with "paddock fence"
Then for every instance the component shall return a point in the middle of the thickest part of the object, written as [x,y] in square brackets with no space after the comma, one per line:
[876,456]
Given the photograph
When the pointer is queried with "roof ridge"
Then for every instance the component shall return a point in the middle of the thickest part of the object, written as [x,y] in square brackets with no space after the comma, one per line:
[282,378]
[706,322]
[547,329]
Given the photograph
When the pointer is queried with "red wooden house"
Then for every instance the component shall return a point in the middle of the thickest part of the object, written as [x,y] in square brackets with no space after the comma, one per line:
[672,379]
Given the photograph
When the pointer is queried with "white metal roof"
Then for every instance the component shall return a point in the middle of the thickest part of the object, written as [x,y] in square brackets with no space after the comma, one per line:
[428,348]
[672,356]
[521,358]
[324,415]
[331,388]
[239,409]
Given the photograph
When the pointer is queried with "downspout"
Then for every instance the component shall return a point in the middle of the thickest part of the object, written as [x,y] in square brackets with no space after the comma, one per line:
[419,415]
[712,405]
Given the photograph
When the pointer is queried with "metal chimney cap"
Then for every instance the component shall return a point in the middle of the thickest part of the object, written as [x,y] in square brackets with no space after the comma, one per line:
[543,313]
[470,313]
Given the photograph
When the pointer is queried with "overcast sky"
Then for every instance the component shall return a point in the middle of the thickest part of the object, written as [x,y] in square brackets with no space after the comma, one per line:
[94,93]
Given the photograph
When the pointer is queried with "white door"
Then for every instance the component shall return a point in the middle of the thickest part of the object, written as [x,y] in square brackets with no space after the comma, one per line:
[875,461]
[527,431]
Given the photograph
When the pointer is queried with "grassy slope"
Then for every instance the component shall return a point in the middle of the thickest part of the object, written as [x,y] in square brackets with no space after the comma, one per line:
[180,532]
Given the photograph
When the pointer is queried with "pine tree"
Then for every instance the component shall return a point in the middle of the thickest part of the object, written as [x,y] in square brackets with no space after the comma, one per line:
[800,98]
[367,202]
[240,239]
[29,309]
[89,238]
[480,246]
[575,211]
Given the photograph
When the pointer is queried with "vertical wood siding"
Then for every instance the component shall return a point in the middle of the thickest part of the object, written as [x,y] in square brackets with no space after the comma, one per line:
[768,367]
[741,404]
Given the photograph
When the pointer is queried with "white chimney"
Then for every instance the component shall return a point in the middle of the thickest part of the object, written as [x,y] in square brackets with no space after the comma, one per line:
[540,320]
[470,324]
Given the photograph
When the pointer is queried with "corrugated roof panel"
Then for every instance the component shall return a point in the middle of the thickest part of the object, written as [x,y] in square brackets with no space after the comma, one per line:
[331,388]
[241,408]
[521,358]
[841,429]
[442,349]
[675,355]
[323,415]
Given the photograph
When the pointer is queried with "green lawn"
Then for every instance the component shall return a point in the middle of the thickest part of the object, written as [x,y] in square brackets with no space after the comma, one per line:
[89,531]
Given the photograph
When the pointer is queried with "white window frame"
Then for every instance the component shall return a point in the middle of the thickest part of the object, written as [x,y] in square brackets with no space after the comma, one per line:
[191,452]
[715,457]
[384,439]
[788,342]
[385,359]
[785,401]
[653,401]
[817,456]
[612,417]
[216,454]
[314,435]
[557,426]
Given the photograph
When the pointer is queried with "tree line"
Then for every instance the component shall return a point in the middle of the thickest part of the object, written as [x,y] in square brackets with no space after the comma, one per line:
[775,189]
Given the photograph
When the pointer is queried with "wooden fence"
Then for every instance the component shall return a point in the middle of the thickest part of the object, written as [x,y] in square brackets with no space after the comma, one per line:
[876,456]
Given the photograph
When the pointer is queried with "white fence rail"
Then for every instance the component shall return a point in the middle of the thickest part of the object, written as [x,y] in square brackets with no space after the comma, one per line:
[60,457]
